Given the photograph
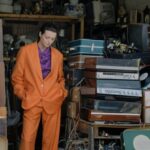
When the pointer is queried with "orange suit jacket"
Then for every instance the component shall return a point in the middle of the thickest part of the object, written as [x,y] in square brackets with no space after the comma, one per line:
[29,85]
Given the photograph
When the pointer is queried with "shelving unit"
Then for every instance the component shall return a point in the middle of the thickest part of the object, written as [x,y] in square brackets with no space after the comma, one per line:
[93,129]
[36,18]
[23,23]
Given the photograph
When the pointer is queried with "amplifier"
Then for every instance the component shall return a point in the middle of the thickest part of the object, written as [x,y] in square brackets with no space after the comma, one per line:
[112,106]
[77,61]
[92,92]
[116,87]
[111,75]
[123,92]
[109,64]
[95,115]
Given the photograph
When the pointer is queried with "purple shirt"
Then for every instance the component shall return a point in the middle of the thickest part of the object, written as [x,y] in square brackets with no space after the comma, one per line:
[45,61]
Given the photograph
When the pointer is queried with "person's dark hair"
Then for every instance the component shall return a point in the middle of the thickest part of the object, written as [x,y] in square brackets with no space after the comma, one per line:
[49,27]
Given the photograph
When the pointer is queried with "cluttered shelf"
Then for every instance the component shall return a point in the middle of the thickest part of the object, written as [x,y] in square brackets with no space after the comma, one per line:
[100,131]
[69,19]
[39,17]
[115,125]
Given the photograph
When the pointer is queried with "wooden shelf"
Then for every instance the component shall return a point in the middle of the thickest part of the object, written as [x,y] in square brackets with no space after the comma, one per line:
[54,18]
[115,125]
[93,129]
[38,17]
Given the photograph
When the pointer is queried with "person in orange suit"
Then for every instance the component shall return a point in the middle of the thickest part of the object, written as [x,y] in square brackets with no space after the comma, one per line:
[38,80]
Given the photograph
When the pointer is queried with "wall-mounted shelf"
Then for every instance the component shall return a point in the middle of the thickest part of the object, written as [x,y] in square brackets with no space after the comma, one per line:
[53,18]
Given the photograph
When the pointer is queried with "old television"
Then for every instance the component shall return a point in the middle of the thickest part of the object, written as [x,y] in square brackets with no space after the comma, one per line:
[139,35]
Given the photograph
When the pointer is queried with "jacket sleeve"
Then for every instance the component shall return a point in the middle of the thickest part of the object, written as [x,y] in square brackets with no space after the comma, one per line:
[61,78]
[18,75]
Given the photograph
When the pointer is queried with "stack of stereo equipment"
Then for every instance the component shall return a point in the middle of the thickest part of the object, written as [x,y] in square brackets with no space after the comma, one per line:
[111,91]
[79,50]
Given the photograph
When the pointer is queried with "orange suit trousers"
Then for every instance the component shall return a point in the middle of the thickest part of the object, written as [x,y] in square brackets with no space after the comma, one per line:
[50,124]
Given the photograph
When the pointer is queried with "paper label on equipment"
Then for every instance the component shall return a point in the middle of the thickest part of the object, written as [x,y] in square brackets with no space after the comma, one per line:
[123,92]
[117,75]
[117,67]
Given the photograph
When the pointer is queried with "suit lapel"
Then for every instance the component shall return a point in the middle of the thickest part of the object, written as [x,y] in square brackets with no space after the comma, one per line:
[53,62]
[36,59]
[37,64]
[53,59]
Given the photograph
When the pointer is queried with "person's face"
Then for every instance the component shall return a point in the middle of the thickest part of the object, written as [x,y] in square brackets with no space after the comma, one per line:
[47,38]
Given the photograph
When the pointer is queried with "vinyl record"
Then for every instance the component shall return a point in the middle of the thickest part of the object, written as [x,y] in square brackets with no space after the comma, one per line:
[145,77]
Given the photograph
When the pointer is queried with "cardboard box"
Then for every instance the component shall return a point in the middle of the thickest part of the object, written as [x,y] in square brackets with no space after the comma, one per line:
[3,143]
[76,94]
[72,109]
[2,85]
[3,122]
